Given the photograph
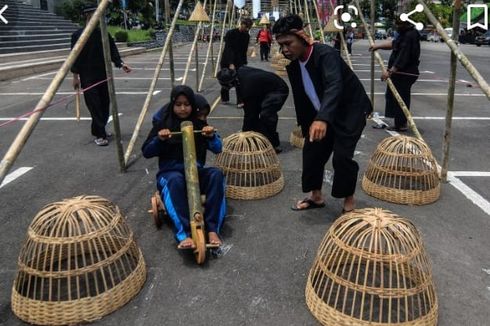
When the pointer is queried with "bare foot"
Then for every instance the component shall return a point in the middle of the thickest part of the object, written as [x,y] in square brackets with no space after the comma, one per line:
[187,243]
[349,204]
[214,238]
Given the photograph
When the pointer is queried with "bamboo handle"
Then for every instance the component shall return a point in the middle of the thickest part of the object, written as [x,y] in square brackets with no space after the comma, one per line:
[77,104]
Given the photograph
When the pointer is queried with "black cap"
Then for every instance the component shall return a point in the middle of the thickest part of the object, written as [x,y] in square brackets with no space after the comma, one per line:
[226,76]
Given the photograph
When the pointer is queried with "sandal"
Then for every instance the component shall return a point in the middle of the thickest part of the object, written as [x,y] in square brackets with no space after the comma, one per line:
[101,142]
[311,205]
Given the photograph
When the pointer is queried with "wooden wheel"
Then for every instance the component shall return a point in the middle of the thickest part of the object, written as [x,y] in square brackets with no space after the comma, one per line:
[155,212]
[200,251]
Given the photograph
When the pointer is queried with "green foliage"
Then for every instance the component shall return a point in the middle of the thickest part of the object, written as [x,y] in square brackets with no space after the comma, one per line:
[442,12]
[132,35]
[72,10]
[121,36]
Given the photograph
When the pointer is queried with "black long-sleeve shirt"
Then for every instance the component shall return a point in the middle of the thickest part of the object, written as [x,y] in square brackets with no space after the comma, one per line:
[343,100]
[90,62]
[406,52]
[236,46]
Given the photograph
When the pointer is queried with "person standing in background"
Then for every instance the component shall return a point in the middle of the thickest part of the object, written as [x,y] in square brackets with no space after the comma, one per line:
[264,38]
[403,70]
[235,54]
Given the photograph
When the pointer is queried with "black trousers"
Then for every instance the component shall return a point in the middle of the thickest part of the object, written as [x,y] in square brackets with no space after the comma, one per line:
[262,116]
[392,109]
[97,101]
[264,51]
[316,155]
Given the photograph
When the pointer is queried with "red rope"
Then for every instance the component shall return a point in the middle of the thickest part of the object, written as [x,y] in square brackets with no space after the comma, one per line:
[52,104]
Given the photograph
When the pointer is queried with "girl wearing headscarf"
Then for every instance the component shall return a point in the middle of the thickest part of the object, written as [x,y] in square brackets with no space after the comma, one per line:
[171,174]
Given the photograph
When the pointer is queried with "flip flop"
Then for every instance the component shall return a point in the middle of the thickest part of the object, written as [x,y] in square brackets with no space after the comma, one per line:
[311,205]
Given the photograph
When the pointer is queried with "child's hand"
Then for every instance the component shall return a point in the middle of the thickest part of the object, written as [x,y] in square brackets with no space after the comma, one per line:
[208,131]
[164,134]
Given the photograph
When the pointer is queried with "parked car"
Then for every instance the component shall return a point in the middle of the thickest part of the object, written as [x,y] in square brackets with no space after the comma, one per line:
[433,37]
[449,31]
[380,34]
[424,34]
[483,39]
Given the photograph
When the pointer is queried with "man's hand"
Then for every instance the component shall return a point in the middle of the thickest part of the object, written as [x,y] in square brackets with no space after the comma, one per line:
[232,66]
[208,131]
[127,69]
[385,75]
[318,130]
[164,134]
[373,48]
[76,81]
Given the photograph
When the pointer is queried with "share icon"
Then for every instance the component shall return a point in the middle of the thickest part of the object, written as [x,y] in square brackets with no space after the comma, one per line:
[404,17]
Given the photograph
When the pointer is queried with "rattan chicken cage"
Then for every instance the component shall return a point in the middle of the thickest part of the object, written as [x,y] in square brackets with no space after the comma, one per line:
[250,165]
[79,262]
[402,170]
[372,269]
[296,138]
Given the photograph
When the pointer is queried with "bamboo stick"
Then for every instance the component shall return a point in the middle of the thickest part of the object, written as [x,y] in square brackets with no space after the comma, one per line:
[320,25]
[373,17]
[343,46]
[392,87]
[220,51]
[24,134]
[170,48]
[455,49]
[307,16]
[153,84]
[106,48]
[191,173]
[210,46]
[450,95]
[192,51]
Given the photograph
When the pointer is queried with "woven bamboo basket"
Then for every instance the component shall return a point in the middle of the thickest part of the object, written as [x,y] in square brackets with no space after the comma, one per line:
[402,170]
[251,166]
[79,262]
[296,138]
[276,57]
[372,269]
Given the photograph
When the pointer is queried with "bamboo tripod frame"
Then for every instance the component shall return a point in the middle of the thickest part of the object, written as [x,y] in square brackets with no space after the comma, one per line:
[26,131]
[193,50]
[222,38]
[153,84]
[210,46]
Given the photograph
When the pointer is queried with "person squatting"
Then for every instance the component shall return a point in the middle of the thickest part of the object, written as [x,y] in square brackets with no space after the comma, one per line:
[171,174]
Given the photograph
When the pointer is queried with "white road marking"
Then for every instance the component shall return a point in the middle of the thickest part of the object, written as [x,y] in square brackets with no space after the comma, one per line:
[69,93]
[59,118]
[156,92]
[470,174]
[443,118]
[418,80]
[124,78]
[14,175]
[41,75]
[469,193]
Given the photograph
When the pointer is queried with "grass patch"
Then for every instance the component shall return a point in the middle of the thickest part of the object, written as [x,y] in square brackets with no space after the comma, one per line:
[134,35]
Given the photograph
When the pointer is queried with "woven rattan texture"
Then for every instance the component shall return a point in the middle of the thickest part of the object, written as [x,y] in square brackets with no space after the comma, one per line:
[402,170]
[79,262]
[296,138]
[251,166]
[372,269]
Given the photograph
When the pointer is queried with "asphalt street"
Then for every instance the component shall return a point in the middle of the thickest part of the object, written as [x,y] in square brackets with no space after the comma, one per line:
[268,249]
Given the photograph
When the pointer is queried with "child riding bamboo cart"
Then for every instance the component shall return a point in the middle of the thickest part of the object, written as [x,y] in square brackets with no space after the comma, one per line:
[180,139]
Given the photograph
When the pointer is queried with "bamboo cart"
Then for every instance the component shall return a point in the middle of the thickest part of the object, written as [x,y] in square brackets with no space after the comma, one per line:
[194,198]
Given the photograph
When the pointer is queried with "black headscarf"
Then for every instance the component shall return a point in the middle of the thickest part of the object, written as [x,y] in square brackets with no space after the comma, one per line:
[169,120]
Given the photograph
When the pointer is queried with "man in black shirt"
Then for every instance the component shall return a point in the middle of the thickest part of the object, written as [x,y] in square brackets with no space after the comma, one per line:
[89,69]
[403,69]
[235,54]
[263,94]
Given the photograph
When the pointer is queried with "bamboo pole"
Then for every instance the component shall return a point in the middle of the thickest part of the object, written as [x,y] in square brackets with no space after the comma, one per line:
[320,25]
[343,46]
[193,51]
[307,16]
[392,87]
[220,52]
[170,48]
[106,48]
[153,84]
[232,17]
[373,17]
[450,95]
[210,46]
[455,49]
[27,129]
[191,173]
